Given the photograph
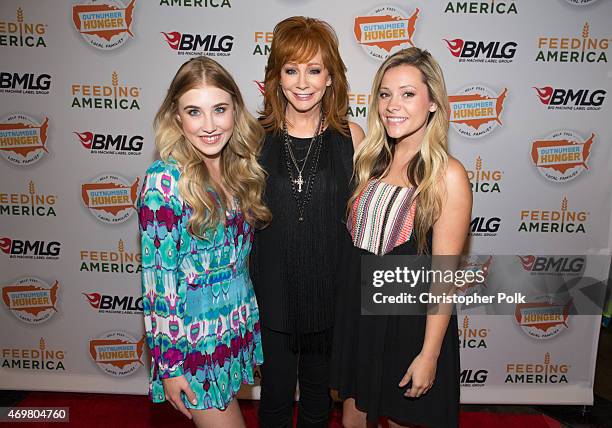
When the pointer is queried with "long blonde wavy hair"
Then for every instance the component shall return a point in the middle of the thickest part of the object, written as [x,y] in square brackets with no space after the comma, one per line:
[425,170]
[240,171]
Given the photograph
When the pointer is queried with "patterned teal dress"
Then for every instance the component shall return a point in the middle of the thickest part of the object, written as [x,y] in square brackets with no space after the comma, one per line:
[200,311]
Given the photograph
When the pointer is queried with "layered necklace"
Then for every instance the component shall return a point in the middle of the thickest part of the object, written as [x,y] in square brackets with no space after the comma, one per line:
[302,187]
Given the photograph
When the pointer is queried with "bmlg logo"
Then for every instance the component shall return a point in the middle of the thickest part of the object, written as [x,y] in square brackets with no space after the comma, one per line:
[479,51]
[18,249]
[198,44]
[102,144]
[551,265]
[24,83]
[571,99]
[473,378]
[483,226]
[112,304]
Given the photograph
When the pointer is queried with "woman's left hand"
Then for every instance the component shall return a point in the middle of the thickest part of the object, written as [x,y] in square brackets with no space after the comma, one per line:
[422,372]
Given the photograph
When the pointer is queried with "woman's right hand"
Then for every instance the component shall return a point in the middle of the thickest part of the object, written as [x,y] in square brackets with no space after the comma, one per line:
[173,388]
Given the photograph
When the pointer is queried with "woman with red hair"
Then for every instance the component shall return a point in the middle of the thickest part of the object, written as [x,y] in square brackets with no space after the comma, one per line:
[307,154]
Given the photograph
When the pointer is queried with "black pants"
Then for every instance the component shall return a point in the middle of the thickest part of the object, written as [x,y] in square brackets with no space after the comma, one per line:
[279,373]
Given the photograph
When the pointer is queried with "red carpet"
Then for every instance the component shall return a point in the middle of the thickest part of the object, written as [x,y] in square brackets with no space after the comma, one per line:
[106,411]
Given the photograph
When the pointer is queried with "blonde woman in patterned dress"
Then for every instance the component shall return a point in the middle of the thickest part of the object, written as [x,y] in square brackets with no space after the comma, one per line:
[197,210]
[410,197]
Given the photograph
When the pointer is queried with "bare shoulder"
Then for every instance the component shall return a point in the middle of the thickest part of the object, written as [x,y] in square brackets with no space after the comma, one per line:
[451,228]
[455,175]
[357,134]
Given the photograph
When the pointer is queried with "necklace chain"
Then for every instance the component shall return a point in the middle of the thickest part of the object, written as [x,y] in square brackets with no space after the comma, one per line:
[297,183]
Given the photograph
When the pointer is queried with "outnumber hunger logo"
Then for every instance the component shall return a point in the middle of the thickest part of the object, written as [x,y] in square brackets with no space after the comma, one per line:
[562,155]
[541,318]
[105,24]
[31,299]
[110,198]
[199,44]
[117,353]
[571,99]
[23,139]
[21,33]
[108,144]
[476,110]
[581,2]
[385,30]
[478,51]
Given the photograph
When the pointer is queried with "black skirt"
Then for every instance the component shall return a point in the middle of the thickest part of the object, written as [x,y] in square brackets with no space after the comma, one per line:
[370,355]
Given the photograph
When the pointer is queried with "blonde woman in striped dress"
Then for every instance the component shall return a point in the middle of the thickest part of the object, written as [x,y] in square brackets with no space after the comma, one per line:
[410,197]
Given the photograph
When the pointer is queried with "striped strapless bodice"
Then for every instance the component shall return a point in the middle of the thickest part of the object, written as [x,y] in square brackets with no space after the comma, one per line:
[382,217]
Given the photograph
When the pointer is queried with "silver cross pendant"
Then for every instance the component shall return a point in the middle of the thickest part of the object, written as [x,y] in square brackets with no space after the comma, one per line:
[299,182]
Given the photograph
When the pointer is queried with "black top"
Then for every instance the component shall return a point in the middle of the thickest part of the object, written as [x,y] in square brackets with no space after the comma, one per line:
[295,263]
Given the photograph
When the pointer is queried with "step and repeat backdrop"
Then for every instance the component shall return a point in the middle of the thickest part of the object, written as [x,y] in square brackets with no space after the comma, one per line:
[80,81]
